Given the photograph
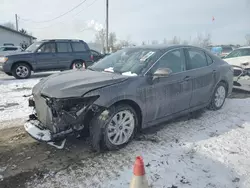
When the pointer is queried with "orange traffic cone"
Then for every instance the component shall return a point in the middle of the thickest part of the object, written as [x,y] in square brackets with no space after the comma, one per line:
[139,179]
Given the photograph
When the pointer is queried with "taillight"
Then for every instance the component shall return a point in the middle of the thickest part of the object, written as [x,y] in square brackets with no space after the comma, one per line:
[92,57]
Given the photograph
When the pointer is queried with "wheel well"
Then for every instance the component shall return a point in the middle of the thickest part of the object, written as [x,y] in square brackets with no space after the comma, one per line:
[75,61]
[25,62]
[135,106]
[90,114]
[225,82]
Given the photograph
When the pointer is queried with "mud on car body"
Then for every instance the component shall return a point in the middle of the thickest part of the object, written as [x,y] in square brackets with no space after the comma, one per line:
[131,89]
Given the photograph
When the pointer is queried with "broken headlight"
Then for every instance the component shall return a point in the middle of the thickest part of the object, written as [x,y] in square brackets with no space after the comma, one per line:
[73,106]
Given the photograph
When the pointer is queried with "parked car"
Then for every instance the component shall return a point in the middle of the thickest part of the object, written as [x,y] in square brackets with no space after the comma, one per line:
[240,60]
[226,50]
[10,48]
[131,89]
[47,55]
[239,57]
[221,51]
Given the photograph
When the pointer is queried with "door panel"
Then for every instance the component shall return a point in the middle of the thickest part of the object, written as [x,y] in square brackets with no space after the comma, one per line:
[173,93]
[202,75]
[46,57]
[64,54]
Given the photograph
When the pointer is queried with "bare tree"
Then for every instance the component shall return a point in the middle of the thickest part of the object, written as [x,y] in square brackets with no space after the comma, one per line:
[247,39]
[175,40]
[112,39]
[203,40]
[100,38]
[185,42]
[9,25]
[155,42]
[23,31]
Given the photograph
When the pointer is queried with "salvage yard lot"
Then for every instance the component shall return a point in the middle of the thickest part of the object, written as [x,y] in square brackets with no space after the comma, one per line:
[208,149]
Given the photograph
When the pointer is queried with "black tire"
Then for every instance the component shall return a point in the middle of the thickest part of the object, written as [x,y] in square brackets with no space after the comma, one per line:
[99,128]
[9,73]
[78,64]
[213,105]
[25,66]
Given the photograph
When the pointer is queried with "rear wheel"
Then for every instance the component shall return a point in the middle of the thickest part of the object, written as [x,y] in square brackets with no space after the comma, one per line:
[218,97]
[118,128]
[78,65]
[21,71]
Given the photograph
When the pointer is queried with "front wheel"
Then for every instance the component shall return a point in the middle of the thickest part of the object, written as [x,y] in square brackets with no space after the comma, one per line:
[78,65]
[218,97]
[119,127]
[21,71]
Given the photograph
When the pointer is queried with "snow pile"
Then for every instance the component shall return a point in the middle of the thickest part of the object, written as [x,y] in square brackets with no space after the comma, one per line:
[211,150]
[13,104]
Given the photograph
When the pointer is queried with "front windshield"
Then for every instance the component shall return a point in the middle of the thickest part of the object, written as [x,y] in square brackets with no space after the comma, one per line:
[33,47]
[130,61]
[239,52]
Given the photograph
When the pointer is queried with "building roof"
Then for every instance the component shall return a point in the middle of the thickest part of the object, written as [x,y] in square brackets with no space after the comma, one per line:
[15,31]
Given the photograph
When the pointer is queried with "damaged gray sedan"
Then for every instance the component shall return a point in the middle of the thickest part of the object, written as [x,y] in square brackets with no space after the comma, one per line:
[129,90]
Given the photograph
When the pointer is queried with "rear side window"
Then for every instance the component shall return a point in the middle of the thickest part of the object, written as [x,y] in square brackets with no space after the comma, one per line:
[209,60]
[78,46]
[197,59]
[63,47]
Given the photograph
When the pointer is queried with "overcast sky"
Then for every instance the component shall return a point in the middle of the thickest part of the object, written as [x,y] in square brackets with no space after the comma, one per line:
[139,20]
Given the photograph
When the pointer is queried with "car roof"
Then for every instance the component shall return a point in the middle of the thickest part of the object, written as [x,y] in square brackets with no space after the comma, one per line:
[61,40]
[243,47]
[165,46]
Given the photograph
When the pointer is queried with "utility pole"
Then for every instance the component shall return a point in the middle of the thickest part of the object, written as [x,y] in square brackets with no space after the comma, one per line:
[107,25]
[16,22]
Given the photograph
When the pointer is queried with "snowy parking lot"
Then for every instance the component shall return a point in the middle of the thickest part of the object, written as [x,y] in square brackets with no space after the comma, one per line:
[209,149]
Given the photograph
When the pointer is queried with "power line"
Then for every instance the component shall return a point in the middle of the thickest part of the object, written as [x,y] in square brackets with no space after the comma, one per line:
[57,16]
[72,16]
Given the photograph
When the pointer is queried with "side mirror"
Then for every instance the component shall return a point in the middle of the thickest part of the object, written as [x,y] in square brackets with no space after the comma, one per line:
[162,73]
[39,50]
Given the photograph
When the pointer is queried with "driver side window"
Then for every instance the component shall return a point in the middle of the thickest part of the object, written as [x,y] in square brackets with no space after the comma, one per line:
[47,48]
[172,60]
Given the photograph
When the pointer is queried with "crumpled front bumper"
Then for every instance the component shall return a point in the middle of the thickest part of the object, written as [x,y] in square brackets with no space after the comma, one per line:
[33,129]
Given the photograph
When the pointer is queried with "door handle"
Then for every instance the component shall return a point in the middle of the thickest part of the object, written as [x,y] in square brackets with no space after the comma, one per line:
[187,78]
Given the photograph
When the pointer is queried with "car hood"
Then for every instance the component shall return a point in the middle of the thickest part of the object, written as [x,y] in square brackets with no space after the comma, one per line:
[237,61]
[15,53]
[75,83]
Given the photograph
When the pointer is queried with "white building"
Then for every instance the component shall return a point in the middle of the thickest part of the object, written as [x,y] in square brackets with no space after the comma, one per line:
[10,36]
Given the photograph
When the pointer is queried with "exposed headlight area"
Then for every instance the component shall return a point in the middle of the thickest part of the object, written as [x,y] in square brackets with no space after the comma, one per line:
[3,59]
[73,107]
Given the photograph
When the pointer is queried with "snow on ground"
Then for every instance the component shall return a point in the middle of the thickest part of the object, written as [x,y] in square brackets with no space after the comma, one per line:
[209,151]
[13,104]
